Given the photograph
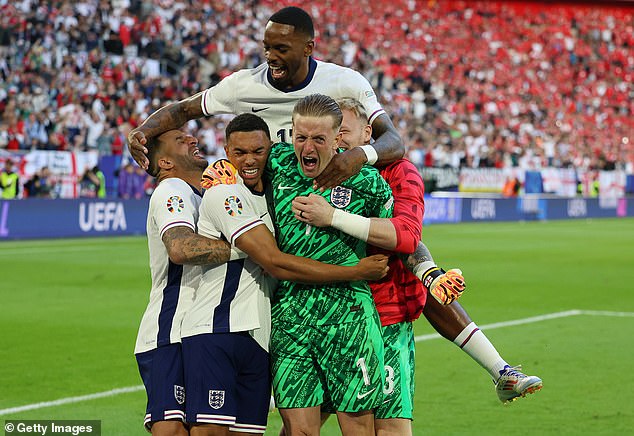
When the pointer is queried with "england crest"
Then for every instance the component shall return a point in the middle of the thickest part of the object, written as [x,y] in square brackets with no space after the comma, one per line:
[340,197]
[216,399]
[179,394]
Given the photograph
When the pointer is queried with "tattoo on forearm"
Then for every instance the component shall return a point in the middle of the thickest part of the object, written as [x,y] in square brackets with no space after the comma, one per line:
[420,255]
[168,118]
[205,251]
[196,249]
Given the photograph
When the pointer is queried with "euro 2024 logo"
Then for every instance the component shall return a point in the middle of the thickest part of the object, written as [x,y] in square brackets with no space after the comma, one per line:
[233,205]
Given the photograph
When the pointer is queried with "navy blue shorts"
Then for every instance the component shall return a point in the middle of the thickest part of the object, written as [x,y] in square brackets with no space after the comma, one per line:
[162,373]
[228,381]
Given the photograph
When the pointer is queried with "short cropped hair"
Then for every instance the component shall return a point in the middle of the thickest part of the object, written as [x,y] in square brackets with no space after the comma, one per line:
[319,105]
[246,122]
[353,105]
[153,146]
[296,17]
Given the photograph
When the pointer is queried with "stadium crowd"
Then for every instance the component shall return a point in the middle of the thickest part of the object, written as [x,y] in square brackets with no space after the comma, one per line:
[478,84]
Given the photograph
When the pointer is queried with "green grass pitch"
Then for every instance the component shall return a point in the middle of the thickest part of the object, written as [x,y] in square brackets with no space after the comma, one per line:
[71,308]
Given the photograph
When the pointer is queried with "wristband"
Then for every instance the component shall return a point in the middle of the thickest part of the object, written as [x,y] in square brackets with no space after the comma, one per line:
[354,225]
[431,275]
[420,269]
[370,154]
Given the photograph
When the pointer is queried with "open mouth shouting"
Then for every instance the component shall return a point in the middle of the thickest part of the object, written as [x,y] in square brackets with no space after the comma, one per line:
[278,72]
[197,154]
[310,165]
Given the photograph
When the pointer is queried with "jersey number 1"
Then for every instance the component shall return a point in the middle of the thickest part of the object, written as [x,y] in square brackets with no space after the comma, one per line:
[281,134]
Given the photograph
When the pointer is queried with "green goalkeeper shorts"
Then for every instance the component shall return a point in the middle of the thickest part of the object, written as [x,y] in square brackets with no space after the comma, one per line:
[341,362]
[398,389]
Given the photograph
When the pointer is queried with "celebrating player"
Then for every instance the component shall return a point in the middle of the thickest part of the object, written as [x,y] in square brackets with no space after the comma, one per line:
[173,212]
[326,340]
[272,89]
[446,315]
[172,218]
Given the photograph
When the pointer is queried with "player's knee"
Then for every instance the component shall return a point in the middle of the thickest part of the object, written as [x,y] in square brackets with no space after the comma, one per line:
[301,421]
[393,427]
[356,423]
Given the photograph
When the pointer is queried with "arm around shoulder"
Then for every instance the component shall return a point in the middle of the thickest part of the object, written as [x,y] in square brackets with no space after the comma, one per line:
[388,144]
[261,247]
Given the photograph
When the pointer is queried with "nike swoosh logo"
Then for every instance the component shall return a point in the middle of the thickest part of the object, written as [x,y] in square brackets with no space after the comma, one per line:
[254,110]
[280,187]
[362,396]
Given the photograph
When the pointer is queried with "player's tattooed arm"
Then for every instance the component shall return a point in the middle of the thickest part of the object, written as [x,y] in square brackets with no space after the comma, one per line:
[418,257]
[186,247]
[169,117]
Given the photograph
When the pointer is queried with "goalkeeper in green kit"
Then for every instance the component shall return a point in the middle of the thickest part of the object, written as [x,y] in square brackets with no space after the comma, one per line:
[326,341]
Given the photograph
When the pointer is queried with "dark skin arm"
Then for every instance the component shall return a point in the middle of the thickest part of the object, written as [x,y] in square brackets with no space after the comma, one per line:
[448,320]
[261,247]
[169,117]
[388,145]
[186,247]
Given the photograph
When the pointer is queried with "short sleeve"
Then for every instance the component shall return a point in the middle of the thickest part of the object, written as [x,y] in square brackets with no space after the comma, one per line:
[221,98]
[174,205]
[359,88]
[227,211]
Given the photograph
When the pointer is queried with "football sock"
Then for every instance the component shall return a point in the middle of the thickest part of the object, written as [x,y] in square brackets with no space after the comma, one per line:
[477,345]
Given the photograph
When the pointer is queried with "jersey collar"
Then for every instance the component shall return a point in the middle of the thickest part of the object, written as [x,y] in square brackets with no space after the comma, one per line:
[312,66]
[196,191]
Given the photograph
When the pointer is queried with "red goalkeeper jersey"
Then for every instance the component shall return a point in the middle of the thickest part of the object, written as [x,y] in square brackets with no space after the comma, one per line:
[400,296]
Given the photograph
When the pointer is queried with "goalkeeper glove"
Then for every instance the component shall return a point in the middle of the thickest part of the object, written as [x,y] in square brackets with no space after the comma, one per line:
[446,287]
[221,172]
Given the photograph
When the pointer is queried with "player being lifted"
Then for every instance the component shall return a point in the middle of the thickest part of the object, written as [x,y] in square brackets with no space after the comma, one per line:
[271,89]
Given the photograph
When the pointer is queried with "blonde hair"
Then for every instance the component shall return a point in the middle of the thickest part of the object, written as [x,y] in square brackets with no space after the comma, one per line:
[319,105]
[353,105]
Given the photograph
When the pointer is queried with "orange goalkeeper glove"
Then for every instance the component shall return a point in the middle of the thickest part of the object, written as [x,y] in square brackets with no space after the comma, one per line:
[221,172]
[446,287]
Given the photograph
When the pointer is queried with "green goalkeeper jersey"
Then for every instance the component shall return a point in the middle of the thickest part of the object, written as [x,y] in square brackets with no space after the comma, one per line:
[365,194]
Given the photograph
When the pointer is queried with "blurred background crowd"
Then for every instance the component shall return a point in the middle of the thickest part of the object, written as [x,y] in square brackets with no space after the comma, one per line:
[468,83]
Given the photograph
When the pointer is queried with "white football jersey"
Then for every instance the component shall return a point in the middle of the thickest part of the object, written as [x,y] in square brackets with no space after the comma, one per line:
[251,91]
[234,296]
[174,203]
